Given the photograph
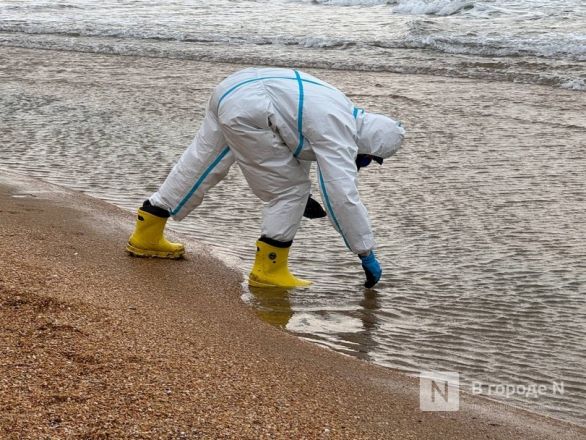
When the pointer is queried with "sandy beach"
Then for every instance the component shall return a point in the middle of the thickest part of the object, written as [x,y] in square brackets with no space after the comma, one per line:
[95,345]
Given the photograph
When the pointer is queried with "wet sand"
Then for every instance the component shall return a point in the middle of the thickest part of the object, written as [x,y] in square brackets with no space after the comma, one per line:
[96,344]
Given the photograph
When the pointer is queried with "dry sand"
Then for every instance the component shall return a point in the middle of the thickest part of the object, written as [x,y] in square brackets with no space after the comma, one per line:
[95,344]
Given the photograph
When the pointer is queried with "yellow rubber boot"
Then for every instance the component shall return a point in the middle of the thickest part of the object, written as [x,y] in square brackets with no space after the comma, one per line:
[147,240]
[271,268]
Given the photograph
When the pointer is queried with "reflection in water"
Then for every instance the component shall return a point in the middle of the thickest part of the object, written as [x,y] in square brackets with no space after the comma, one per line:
[365,339]
[272,305]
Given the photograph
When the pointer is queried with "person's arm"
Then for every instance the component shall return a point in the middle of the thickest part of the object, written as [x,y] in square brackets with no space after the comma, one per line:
[335,149]
[337,181]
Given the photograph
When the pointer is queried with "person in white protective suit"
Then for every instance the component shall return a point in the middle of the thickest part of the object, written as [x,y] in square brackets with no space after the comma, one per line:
[274,123]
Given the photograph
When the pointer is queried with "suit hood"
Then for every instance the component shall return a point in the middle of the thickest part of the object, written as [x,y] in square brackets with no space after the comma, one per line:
[378,135]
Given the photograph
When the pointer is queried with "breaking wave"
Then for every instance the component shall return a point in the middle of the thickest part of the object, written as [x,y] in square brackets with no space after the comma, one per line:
[406,7]
[432,7]
[350,2]
[420,35]
[313,53]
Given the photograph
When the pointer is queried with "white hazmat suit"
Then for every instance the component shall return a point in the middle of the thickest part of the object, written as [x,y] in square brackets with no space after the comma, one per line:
[273,122]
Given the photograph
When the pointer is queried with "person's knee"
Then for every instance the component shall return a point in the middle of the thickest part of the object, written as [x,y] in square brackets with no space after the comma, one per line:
[304,189]
[299,191]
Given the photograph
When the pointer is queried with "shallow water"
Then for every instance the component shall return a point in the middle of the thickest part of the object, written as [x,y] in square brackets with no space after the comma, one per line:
[479,218]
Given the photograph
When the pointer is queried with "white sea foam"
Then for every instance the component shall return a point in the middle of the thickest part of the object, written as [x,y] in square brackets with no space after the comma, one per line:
[432,7]
[574,84]
[349,2]
[420,35]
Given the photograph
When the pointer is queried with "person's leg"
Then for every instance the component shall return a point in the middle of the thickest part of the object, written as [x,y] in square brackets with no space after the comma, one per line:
[277,178]
[205,162]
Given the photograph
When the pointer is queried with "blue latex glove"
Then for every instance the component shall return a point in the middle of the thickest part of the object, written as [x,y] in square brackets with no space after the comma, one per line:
[372,269]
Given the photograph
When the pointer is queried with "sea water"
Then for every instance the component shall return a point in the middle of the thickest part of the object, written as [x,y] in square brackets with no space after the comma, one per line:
[480,219]
[536,41]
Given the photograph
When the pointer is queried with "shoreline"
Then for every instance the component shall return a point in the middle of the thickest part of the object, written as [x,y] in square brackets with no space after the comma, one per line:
[135,348]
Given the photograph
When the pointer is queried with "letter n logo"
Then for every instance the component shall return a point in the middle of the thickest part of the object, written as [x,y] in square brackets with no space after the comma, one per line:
[439,391]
